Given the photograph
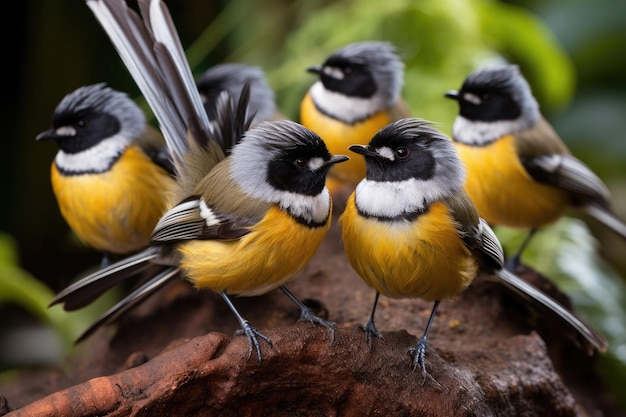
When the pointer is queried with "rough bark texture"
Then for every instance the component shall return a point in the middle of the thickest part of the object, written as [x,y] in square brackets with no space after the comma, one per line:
[175,356]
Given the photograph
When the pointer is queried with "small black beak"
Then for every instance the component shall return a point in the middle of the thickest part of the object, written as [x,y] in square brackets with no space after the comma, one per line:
[453,94]
[316,69]
[364,150]
[48,134]
[335,159]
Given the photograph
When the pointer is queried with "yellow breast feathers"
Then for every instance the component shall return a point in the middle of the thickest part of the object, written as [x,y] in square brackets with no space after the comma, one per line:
[274,251]
[116,210]
[339,135]
[495,181]
[424,258]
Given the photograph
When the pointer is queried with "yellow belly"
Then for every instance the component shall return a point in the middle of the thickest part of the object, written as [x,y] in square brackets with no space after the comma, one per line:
[338,136]
[503,192]
[424,259]
[276,250]
[114,211]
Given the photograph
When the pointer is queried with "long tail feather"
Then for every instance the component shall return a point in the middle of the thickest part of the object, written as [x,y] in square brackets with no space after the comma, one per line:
[606,217]
[583,335]
[131,300]
[151,50]
[87,289]
[152,53]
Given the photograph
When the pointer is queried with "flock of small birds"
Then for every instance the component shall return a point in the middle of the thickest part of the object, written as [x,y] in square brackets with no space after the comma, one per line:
[227,185]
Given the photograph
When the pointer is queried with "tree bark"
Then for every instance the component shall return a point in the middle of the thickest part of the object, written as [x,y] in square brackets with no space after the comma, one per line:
[175,356]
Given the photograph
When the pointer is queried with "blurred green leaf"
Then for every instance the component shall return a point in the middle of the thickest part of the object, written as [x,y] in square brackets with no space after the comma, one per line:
[440,41]
[524,39]
[20,288]
[567,253]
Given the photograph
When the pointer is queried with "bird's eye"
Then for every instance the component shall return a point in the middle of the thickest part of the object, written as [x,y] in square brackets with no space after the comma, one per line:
[485,97]
[81,123]
[300,162]
[347,71]
[402,152]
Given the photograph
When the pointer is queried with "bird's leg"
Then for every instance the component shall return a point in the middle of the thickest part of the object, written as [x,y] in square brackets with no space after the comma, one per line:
[106,260]
[370,329]
[513,262]
[419,351]
[247,329]
[306,314]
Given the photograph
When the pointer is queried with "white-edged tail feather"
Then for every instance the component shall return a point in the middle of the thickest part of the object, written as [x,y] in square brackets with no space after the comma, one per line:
[588,338]
[152,52]
[131,300]
[606,218]
[87,289]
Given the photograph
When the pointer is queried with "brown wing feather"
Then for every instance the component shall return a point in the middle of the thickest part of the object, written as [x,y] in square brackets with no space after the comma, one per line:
[540,140]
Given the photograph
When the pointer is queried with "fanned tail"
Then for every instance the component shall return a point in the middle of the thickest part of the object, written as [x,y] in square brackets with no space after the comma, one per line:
[231,121]
[149,46]
[583,335]
[152,52]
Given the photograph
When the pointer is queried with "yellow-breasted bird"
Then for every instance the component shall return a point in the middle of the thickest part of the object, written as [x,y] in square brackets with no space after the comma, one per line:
[410,231]
[358,93]
[520,173]
[111,176]
[244,198]
[232,77]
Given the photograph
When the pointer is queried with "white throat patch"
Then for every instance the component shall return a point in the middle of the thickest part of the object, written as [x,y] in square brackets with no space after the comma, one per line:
[345,108]
[98,158]
[391,199]
[482,133]
[313,209]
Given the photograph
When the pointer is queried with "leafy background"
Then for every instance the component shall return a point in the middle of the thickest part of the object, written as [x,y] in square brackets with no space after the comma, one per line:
[571,51]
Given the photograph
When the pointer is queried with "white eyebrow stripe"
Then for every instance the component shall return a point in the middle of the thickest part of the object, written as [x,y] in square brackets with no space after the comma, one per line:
[386,152]
[472,98]
[333,72]
[315,163]
[66,131]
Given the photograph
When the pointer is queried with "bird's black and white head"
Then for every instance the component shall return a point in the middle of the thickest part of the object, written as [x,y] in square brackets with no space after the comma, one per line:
[410,165]
[493,102]
[284,163]
[231,77]
[93,125]
[358,80]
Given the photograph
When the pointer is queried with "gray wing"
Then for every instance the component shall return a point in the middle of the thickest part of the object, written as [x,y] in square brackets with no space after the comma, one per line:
[475,232]
[193,218]
[568,173]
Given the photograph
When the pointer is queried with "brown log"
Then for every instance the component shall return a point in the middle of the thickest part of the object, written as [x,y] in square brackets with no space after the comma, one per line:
[175,356]
[305,375]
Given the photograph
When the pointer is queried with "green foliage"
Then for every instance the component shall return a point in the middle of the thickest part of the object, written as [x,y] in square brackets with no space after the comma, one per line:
[567,253]
[20,288]
[440,41]
[521,36]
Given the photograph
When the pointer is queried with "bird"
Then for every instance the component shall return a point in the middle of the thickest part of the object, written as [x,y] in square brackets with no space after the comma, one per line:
[231,77]
[111,175]
[520,172]
[358,92]
[411,231]
[244,196]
